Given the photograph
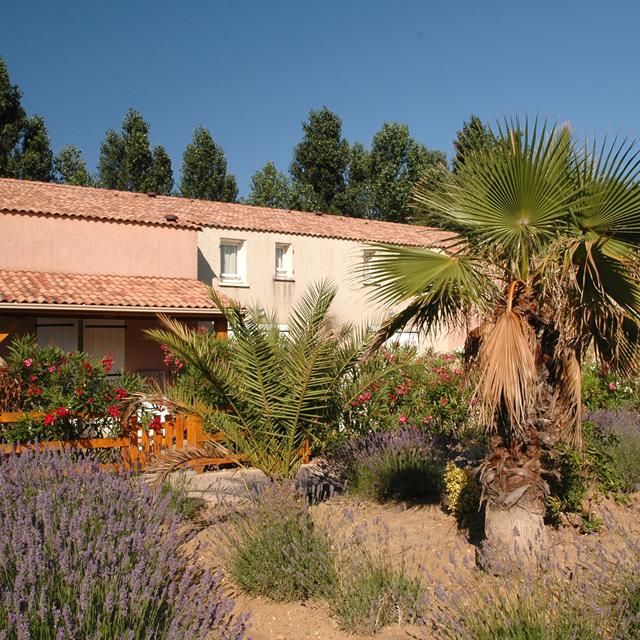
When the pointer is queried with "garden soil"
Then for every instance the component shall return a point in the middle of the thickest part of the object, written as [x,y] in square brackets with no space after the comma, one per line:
[421,536]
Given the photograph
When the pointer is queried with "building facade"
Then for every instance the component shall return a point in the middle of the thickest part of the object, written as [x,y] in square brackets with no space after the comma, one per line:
[91,268]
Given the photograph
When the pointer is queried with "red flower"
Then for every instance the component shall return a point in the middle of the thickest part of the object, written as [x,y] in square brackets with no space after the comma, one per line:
[61,412]
[113,411]
[402,418]
[37,391]
[79,391]
[88,366]
[27,362]
[90,400]
[107,363]
[33,378]
[156,423]
[49,419]
[121,393]
[444,402]
[51,369]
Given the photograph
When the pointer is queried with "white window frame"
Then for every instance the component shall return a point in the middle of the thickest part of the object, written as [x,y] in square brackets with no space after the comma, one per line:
[285,272]
[240,277]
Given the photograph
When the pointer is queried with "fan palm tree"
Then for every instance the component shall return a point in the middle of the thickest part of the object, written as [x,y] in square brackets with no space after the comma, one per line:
[269,394]
[541,264]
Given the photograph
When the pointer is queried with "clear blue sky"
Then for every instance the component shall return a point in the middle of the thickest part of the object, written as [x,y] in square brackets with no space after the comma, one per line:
[251,70]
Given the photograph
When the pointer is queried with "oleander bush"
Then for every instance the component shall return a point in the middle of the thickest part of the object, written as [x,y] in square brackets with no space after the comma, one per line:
[73,390]
[92,555]
[604,390]
[426,391]
[401,464]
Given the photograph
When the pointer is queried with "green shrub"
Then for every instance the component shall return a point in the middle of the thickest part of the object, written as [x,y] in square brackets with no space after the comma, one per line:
[276,551]
[622,428]
[581,475]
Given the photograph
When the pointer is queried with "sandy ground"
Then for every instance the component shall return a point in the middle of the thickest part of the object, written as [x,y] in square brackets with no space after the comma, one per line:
[422,536]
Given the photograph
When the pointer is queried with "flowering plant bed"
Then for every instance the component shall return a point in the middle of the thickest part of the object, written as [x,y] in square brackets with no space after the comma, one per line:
[62,396]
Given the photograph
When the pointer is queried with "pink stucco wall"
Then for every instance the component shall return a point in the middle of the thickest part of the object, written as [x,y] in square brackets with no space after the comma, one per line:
[67,245]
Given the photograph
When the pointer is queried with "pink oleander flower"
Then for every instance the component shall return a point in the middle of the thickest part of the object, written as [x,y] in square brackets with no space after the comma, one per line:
[612,386]
[27,362]
[402,419]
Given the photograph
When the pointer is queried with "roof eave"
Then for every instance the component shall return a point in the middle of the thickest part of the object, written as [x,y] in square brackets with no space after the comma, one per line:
[36,306]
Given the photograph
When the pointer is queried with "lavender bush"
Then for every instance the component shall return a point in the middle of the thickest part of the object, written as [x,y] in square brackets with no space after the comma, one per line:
[393,465]
[88,554]
[275,550]
[624,429]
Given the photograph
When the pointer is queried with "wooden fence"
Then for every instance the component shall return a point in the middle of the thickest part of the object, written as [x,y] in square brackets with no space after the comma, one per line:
[137,446]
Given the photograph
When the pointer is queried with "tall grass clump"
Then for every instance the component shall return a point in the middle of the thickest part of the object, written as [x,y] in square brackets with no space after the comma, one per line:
[393,465]
[276,550]
[372,590]
[89,554]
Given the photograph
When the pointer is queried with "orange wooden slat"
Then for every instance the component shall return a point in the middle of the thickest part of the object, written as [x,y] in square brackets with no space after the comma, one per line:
[17,416]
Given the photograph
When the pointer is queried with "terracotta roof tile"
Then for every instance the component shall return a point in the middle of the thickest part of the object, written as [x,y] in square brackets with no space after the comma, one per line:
[47,198]
[86,202]
[34,287]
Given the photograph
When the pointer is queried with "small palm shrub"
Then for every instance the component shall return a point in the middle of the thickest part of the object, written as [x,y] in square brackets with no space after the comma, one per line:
[269,395]
[85,554]
[402,464]
[276,550]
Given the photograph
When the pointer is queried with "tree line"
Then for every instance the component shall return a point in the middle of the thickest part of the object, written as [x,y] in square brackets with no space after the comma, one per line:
[327,172]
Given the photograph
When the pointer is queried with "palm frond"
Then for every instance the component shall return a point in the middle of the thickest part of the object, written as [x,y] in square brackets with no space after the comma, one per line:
[506,365]
[513,197]
[608,177]
[442,289]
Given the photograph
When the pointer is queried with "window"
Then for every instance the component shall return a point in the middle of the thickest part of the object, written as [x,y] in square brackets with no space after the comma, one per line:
[367,263]
[405,338]
[232,262]
[284,262]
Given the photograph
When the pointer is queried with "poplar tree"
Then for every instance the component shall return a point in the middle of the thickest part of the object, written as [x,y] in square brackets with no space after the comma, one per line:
[70,168]
[33,158]
[270,188]
[12,119]
[397,164]
[321,159]
[204,170]
[127,161]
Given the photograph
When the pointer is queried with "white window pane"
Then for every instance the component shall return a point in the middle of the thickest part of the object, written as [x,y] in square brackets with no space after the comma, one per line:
[229,259]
